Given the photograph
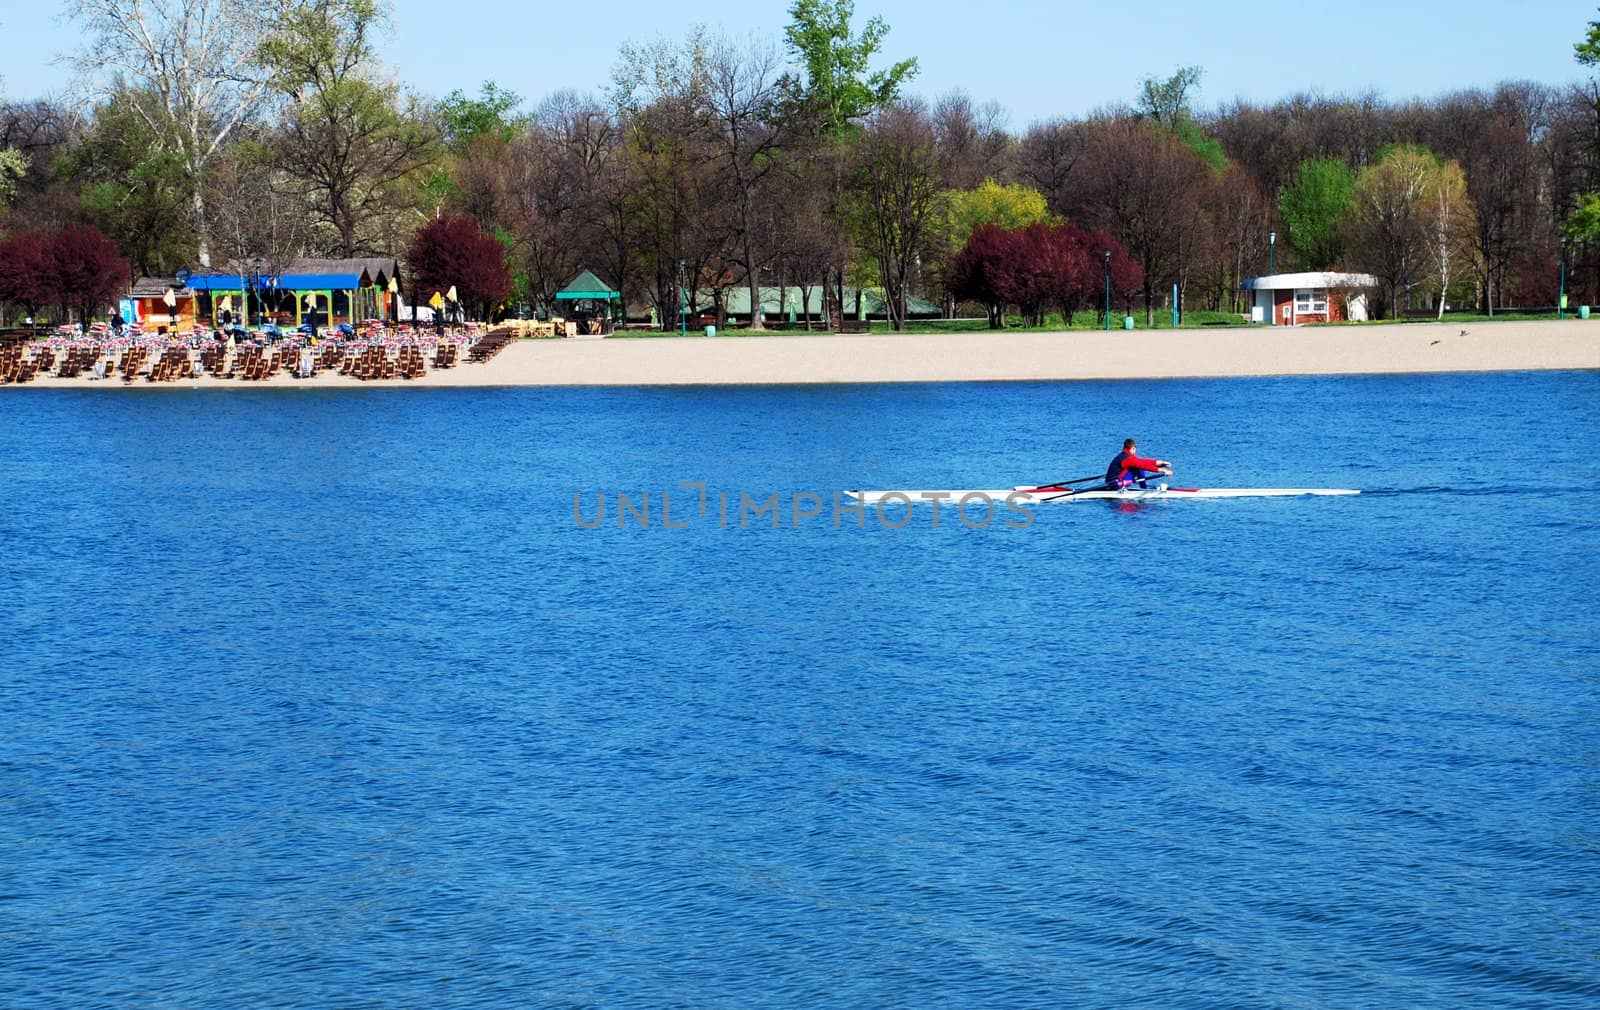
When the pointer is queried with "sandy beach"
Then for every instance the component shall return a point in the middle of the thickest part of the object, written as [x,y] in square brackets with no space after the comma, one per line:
[986,357]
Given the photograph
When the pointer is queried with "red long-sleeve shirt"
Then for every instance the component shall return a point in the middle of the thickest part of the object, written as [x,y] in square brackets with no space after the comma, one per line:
[1126,461]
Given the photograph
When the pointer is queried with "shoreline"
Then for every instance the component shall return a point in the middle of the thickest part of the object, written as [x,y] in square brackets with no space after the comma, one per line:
[994,356]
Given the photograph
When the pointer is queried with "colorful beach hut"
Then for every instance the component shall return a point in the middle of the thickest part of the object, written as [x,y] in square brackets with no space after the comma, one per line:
[327,291]
[159,301]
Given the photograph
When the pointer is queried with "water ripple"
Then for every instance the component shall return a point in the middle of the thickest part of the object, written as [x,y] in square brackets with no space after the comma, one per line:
[323,701]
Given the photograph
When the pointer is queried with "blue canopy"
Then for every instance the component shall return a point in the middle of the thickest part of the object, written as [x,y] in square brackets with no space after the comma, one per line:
[216,282]
[287,282]
[320,282]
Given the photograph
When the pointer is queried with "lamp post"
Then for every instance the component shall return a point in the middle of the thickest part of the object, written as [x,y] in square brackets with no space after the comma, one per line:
[1561,300]
[1272,249]
[683,298]
[1108,289]
[256,264]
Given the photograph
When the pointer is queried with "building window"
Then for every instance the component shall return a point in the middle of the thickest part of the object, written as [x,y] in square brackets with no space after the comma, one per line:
[1311,301]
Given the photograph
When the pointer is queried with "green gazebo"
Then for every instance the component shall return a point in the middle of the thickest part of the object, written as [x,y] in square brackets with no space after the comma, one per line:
[591,301]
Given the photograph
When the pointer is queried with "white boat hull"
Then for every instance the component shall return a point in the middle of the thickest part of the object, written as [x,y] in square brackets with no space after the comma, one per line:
[1036,496]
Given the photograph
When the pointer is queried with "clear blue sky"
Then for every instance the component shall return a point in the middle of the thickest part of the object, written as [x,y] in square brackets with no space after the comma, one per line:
[1039,58]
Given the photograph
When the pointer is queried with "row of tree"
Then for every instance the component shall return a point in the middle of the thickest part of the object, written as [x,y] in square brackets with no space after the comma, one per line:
[226,129]
[1042,266]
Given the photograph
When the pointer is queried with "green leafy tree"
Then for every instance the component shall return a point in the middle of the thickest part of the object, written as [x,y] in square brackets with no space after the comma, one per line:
[134,187]
[1584,223]
[1170,104]
[1169,101]
[491,114]
[1587,52]
[1208,148]
[840,89]
[196,61]
[13,166]
[1011,207]
[1410,222]
[960,212]
[348,134]
[1313,209]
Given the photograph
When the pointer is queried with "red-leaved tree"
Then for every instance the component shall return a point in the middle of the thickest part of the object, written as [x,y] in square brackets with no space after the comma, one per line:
[89,271]
[27,271]
[1040,266]
[1127,276]
[451,252]
[973,272]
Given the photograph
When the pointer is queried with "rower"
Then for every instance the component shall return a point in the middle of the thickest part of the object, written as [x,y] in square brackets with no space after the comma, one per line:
[1129,468]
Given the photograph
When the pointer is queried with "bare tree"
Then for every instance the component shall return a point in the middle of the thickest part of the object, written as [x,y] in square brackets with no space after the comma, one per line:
[1389,224]
[40,135]
[743,91]
[1450,226]
[559,195]
[1499,139]
[259,213]
[196,59]
[1147,189]
[896,190]
[349,136]
[676,206]
[1046,157]
[810,242]
[973,142]
[1243,217]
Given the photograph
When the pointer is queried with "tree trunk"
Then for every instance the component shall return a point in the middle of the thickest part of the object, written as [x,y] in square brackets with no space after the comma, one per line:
[202,253]
[754,277]
[756,322]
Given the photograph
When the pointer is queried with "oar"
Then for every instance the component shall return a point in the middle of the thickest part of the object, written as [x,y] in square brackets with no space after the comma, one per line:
[1069,483]
[1069,494]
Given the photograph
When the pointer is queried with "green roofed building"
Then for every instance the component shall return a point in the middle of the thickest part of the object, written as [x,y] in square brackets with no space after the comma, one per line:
[790,308]
[590,302]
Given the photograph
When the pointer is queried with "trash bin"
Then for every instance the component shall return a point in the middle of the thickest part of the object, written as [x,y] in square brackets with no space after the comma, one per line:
[1127,322]
[711,331]
[1583,312]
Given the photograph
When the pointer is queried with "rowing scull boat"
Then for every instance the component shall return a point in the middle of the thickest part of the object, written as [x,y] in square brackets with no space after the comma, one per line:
[1040,495]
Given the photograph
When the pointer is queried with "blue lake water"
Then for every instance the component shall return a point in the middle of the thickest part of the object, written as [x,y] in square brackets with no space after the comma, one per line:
[323,699]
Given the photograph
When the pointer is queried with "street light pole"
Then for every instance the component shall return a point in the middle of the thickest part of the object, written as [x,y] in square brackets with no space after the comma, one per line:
[1561,301]
[1272,249]
[683,298]
[257,268]
[1108,289]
